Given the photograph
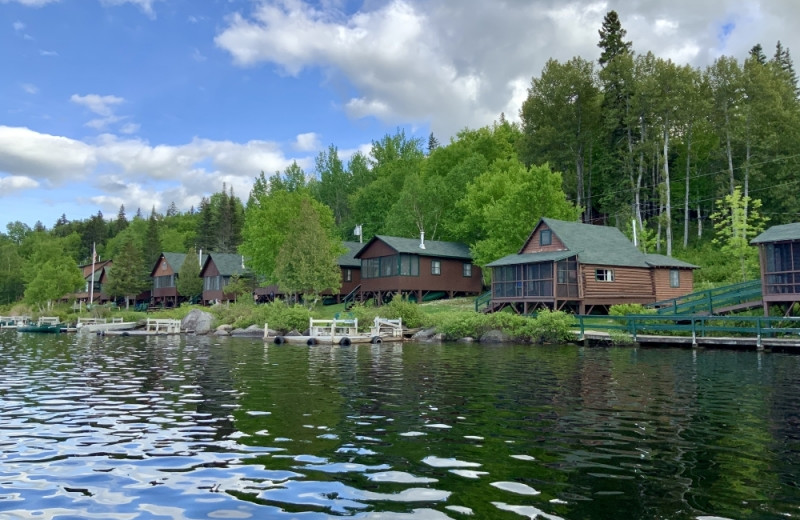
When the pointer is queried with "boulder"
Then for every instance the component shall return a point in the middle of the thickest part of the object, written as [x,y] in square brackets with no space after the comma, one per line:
[222,332]
[253,331]
[424,335]
[466,340]
[292,333]
[197,321]
[495,336]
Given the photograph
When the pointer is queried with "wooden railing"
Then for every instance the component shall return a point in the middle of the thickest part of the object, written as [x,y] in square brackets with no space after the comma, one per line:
[710,300]
[694,326]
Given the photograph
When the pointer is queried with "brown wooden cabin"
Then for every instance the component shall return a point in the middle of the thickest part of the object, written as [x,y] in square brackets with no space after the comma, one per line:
[779,256]
[165,278]
[351,269]
[105,275]
[392,266]
[93,278]
[216,272]
[583,268]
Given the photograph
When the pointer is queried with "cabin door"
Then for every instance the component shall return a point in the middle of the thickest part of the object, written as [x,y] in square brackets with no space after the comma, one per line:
[567,279]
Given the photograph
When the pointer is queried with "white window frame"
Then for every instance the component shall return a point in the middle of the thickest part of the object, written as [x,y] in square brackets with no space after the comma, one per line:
[674,278]
[604,275]
[436,267]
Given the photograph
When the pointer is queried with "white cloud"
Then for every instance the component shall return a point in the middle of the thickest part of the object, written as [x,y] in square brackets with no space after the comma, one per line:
[198,56]
[131,171]
[307,142]
[42,156]
[47,53]
[19,26]
[30,88]
[14,183]
[130,128]
[100,105]
[457,63]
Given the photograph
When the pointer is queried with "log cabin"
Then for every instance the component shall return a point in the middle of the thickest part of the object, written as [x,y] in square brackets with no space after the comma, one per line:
[165,275]
[583,268]
[779,258]
[416,269]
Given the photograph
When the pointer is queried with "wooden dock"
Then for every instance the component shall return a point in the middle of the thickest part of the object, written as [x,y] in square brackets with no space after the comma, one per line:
[599,338]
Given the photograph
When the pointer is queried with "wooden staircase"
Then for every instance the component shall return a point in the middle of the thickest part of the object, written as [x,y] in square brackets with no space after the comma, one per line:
[352,298]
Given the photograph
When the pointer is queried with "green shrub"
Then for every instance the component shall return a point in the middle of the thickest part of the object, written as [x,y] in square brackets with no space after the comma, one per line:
[626,309]
[552,327]
[407,311]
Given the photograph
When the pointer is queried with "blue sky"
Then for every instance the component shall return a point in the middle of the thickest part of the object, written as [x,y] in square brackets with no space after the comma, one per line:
[148,102]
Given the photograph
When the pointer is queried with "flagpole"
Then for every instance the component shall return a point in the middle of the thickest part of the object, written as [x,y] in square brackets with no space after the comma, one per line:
[91,277]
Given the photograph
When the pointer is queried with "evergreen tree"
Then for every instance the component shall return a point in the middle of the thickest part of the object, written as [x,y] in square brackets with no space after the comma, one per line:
[783,60]
[130,274]
[189,283]
[433,143]
[757,53]
[205,227]
[122,220]
[612,39]
[172,210]
[152,241]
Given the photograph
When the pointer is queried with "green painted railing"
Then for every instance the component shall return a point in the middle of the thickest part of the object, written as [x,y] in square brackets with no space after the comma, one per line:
[483,301]
[694,326]
[350,299]
[710,300]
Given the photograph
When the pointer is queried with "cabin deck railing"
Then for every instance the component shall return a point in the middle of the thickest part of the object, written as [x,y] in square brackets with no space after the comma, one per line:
[694,326]
[483,301]
[709,300]
[350,299]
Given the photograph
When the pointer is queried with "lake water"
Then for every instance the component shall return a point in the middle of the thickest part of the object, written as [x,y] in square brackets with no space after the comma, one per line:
[207,428]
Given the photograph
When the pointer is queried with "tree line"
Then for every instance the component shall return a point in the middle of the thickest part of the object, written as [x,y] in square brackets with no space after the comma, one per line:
[632,140]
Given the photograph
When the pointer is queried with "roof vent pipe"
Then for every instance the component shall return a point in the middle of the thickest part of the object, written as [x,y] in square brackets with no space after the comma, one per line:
[422,240]
[200,256]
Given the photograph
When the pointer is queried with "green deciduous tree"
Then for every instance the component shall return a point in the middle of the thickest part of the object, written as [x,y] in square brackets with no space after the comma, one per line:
[56,277]
[504,203]
[737,222]
[306,262]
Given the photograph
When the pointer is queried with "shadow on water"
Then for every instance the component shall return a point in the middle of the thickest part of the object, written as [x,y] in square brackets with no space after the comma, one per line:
[206,427]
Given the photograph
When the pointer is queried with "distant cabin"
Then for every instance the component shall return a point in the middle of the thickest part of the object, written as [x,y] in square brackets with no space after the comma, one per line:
[350,268]
[779,256]
[216,272]
[93,285]
[417,269]
[583,268]
[165,274]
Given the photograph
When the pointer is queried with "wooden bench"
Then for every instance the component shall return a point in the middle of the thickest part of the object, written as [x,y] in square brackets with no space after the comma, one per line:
[163,326]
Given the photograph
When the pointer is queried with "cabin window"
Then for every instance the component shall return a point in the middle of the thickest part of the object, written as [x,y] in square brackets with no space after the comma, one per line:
[436,267]
[604,275]
[348,275]
[674,278]
[162,282]
[545,237]
[403,265]
[163,266]
[467,271]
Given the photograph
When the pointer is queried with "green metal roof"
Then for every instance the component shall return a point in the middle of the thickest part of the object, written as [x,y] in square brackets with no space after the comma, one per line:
[531,258]
[432,247]
[349,259]
[779,234]
[228,264]
[667,261]
[599,245]
[175,260]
